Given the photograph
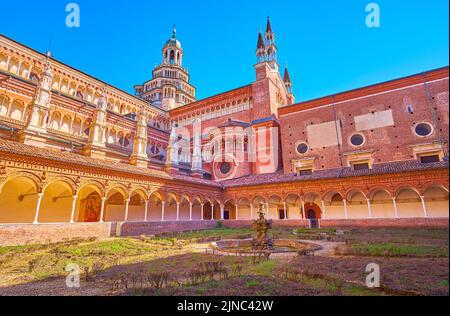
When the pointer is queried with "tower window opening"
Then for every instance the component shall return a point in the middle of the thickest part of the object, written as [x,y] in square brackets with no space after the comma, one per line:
[172,57]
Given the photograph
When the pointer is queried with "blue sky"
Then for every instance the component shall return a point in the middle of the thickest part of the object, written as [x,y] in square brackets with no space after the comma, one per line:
[326,43]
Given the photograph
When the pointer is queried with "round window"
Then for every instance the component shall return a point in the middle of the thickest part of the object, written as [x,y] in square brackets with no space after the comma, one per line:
[424,129]
[357,140]
[225,167]
[302,148]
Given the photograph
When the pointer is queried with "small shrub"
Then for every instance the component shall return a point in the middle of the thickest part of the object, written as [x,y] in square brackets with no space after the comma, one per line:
[219,225]
[87,274]
[251,283]
[97,267]
[158,280]
[265,268]
[32,265]
[236,269]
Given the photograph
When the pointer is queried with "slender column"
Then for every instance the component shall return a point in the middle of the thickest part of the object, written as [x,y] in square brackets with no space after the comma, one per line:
[370,208]
[285,210]
[268,210]
[237,212]
[346,208]
[203,211]
[190,211]
[222,212]
[146,211]
[324,211]
[72,213]
[8,110]
[178,211]
[425,211]
[29,72]
[251,211]
[127,206]
[394,201]
[163,211]
[303,210]
[102,212]
[38,208]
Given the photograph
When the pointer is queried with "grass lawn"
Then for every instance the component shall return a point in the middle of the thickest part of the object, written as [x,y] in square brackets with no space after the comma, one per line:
[393,250]
[413,262]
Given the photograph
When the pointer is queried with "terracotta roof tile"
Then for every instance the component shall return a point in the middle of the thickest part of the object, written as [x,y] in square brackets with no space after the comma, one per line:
[78,160]
[385,168]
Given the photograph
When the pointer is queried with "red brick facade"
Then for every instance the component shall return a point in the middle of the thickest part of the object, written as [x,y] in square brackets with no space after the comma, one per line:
[73,149]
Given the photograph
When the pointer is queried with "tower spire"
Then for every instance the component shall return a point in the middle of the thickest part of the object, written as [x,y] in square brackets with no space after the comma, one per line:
[271,48]
[269,26]
[260,41]
[260,48]
[174,31]
[288,84]
[287,77]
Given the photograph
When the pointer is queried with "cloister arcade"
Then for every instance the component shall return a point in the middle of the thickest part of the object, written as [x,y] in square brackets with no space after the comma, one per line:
[15,109]
[75,125]
[85,90]
[24,200]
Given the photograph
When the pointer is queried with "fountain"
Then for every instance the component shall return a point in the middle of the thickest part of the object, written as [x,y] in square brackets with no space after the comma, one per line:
[261,226]
[262,243]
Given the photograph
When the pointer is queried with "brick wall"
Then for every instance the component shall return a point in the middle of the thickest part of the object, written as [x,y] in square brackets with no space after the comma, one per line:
[37,234]
[152,228]
[390,143]
[11,235]
[373,223]
[400,223]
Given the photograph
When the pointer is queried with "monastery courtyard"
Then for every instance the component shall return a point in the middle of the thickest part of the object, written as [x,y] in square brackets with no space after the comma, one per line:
[412,262]
[247,192]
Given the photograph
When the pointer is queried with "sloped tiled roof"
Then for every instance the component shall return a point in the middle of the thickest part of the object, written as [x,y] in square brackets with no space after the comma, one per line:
[385,168]
[69,158]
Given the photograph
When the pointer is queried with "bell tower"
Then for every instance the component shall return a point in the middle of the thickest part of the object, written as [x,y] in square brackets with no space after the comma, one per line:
[272,91]
[271,48]
[169,87]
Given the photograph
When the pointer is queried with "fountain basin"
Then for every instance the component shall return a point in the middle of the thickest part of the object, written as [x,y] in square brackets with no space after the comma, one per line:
[244,247]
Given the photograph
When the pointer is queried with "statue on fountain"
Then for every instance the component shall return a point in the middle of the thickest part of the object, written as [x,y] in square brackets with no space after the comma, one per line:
[261,226]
